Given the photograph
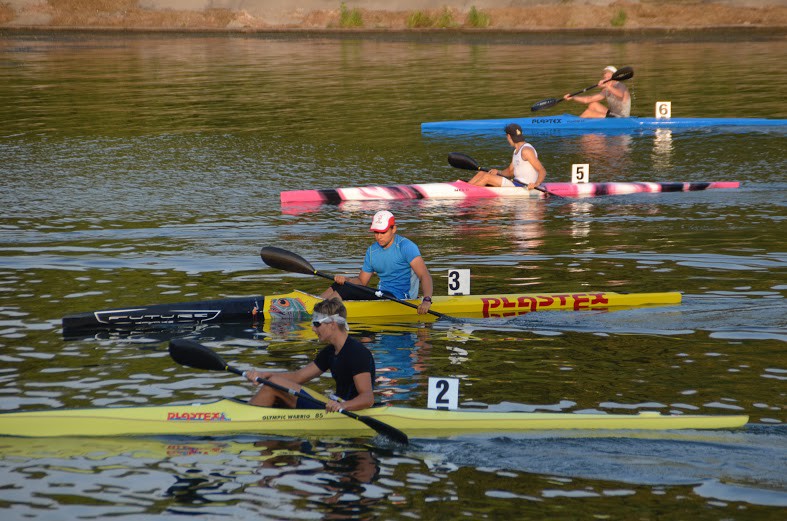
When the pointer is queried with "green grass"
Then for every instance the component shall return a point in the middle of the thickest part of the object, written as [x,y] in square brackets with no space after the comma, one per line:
[445,20]
[349,17]
[419,19]
[476,18]
[619,20]
[422,19]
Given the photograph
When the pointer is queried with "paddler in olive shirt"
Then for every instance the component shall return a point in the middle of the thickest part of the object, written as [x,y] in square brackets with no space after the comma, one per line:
[615,93]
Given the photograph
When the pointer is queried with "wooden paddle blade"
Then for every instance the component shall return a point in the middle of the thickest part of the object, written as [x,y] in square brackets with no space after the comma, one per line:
[463,161]
[545,104]
[285,260]
[192,354]
[624,73]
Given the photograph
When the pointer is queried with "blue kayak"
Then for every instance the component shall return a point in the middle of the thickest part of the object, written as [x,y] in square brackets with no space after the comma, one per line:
[574,124]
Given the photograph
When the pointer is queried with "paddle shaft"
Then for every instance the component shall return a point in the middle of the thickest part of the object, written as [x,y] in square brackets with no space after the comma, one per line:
[551,102]
[465,162]
[621,74]
[372,291]
[539,188]
[372,423]
[577,93]
[305,396]
[282,259]
[193,354]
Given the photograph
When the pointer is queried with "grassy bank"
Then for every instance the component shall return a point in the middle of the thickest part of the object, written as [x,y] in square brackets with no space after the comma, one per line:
[256,15]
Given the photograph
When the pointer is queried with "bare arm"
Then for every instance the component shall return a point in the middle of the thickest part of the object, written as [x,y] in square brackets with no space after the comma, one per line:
[530,156]
[362,278]
[616,90]
[585,99]
[420,269]
[506,172]
[301,376]
[364,400]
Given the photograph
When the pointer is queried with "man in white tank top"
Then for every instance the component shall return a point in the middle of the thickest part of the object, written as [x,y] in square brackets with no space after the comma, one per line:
[615,93]
[525,168]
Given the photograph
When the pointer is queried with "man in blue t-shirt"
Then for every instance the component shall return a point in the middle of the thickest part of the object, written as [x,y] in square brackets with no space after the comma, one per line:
[397,262]
[351,364]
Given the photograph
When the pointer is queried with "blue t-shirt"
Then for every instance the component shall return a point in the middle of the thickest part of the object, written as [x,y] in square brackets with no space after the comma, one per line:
[392,265]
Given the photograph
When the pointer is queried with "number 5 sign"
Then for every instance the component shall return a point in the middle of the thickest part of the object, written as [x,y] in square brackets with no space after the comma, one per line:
[580,173]
[443,393]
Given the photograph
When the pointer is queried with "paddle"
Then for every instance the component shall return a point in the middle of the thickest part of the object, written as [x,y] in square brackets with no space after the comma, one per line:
[193,354]
[621,74]
[288,261]
[465,162]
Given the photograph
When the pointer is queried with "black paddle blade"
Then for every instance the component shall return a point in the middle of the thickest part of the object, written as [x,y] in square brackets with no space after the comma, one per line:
[624,73]
[192,354]
[463,161]
[285,260]
[545,104]
[384,429]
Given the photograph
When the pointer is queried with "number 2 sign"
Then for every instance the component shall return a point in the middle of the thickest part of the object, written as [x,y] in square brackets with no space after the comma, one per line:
[443,393]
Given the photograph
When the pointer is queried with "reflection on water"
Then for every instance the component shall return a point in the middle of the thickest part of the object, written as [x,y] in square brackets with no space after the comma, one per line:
[600,149]
[662,149]
[344,484]
[400,358]
[580,218]
[147,168]
[346,479]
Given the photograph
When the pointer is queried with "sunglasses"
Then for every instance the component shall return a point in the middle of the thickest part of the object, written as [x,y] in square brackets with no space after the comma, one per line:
[318,323]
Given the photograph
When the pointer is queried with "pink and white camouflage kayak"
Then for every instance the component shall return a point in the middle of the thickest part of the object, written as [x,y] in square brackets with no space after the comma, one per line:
[464,190]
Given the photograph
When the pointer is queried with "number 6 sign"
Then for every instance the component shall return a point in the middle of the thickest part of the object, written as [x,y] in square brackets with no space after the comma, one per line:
[443,393]
[663,109]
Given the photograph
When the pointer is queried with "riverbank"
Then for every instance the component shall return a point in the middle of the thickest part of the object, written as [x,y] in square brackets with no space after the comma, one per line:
[394,15]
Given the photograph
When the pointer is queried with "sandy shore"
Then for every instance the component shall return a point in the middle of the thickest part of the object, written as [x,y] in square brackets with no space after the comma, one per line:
[392,15]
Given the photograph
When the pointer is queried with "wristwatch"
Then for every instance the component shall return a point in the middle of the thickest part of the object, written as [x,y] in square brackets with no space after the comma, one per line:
[426,299]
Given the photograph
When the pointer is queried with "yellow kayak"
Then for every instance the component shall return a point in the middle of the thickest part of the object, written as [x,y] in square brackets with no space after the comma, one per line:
[229,417]
[298,305]
[482,306]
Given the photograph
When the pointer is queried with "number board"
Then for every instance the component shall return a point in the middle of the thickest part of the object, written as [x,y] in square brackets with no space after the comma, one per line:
[443,393]
[458,282]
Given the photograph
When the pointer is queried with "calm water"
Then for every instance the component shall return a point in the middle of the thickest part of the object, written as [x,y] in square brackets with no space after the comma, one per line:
[145,169]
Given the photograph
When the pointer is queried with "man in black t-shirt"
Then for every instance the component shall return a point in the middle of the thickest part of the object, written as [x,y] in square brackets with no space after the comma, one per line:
[350,362]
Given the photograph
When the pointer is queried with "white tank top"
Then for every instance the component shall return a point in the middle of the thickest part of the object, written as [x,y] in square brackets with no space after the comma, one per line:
[523,170]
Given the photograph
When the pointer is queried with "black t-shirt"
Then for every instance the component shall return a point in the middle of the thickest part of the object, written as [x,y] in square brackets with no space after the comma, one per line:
[354,358]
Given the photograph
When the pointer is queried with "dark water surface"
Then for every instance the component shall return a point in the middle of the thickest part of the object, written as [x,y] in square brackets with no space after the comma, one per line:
[139,169]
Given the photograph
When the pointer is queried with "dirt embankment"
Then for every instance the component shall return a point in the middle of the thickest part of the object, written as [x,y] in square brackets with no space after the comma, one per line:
[397,15]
